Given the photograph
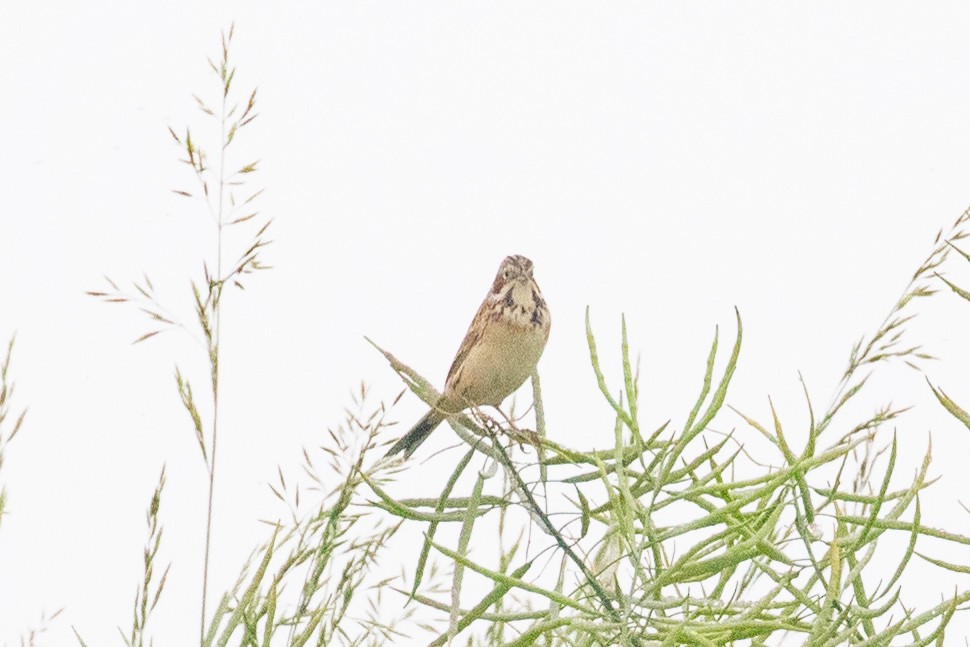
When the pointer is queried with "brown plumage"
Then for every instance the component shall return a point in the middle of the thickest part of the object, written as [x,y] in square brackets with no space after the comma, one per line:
[500,350]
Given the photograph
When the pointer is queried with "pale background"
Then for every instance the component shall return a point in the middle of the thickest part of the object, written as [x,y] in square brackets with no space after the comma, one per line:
[664,160]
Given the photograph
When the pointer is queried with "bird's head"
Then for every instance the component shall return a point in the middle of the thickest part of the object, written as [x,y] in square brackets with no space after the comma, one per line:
[514,269]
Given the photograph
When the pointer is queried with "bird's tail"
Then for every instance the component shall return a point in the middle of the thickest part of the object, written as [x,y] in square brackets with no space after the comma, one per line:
[419,432]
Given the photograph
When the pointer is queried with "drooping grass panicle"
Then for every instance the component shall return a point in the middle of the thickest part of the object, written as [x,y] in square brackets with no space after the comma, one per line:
[10,421]
[886,342]
[222,186]
[146,598]
[317,579]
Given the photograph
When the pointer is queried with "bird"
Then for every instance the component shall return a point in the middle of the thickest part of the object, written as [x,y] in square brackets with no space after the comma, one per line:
[501,349]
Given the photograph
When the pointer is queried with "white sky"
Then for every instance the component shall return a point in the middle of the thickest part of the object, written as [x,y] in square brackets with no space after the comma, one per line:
[664,160]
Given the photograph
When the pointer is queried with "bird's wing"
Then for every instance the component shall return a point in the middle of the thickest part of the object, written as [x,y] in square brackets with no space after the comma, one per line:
[472,337]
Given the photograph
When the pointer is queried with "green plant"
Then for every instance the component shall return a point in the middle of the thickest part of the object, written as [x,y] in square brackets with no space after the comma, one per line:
[669,535]
[8,431]
[6,396]
[689,543]
[229,202]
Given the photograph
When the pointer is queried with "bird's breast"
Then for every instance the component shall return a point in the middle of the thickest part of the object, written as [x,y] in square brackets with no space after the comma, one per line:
[505,355]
